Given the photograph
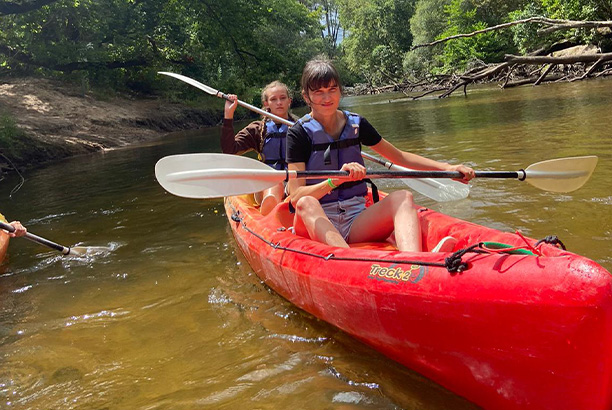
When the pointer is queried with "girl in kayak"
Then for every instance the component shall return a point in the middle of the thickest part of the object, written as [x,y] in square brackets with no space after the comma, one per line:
[333,211]
[265,137]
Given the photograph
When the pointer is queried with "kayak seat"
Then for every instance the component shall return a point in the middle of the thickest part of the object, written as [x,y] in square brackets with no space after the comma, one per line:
[282,215]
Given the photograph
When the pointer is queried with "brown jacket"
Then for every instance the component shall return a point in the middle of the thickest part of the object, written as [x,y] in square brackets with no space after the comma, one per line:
[247,139]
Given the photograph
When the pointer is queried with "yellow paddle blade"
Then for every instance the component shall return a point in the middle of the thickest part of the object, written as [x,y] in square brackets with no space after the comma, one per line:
[561,175]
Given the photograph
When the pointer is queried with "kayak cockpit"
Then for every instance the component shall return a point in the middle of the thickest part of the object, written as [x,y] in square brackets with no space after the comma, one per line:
[434,227]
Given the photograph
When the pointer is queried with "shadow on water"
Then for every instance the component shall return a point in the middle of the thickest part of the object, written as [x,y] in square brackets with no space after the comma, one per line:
[173,317]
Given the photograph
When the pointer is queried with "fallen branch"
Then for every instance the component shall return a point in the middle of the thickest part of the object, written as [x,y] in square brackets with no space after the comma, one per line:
[582,58]
[589,71]
[544,74]
[554,23]
[569,24]
[532,80]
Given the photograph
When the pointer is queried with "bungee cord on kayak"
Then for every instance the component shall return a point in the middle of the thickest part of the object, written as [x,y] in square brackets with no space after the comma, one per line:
[453,263]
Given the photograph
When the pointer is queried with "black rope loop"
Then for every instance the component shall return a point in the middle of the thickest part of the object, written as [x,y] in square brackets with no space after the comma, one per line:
[454,264]
[551,240]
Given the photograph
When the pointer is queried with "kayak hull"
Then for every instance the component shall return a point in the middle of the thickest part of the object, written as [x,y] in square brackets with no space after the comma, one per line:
[510,332]
[4,241]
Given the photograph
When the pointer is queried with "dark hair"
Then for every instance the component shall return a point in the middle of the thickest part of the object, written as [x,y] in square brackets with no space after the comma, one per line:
[319,72]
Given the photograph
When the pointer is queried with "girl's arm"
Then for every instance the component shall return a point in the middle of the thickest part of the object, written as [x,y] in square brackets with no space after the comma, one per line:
[417,162]
[247,139]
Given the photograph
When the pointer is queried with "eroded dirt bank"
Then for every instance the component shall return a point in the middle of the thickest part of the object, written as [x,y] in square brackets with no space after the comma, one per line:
[58,121]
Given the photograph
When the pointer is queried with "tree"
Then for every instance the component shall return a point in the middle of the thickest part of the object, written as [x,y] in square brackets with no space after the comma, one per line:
[328,14]
[427,23]
[11,7]
[377,37]
[118,43]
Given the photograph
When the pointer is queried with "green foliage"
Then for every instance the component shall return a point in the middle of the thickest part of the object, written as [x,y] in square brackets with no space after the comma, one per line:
[426,24]
[378,36]
[466,16]
[429,20]
[240,45]
[14,142]
[121,44]
[9,132]
[569,9]
[525,36]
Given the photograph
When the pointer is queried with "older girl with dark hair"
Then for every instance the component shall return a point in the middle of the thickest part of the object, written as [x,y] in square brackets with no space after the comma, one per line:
[333,211]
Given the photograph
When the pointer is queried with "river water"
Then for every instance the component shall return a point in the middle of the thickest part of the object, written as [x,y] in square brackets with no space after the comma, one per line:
[172,317]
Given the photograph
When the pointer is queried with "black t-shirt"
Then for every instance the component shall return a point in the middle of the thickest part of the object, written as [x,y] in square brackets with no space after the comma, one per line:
[299,145]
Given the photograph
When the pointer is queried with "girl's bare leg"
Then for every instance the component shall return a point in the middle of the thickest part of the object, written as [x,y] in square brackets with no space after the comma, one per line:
[271,197]
[395,212]
[310,221]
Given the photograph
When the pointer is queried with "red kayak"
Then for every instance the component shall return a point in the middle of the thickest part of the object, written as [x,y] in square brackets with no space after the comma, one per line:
[4,241]
[502,320]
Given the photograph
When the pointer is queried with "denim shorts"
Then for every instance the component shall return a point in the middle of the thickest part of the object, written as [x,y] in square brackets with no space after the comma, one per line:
[342,214]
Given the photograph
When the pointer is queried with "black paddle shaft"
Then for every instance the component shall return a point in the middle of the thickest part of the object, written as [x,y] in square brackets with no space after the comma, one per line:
[520,175]
[37,239]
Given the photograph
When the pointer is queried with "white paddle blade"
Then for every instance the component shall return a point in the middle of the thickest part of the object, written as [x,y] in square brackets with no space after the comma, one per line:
[89,250]
[214,175]
[561,175]
[440,190]
[191,81]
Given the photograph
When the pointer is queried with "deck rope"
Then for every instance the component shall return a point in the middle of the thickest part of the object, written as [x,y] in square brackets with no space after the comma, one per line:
[453,264]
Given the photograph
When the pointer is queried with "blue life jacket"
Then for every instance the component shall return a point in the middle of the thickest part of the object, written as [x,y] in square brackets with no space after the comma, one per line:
[273,150]
[330,154]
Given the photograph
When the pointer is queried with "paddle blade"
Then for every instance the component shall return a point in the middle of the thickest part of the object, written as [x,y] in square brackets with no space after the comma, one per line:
[191,81]
[214,175]
[440,190]
[88,250]
[561,175]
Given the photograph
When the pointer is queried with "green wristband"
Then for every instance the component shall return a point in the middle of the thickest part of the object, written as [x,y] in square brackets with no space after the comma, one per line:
[331,184]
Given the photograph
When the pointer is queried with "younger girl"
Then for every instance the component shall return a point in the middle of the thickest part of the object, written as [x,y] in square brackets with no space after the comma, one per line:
[265,137]
[333,211]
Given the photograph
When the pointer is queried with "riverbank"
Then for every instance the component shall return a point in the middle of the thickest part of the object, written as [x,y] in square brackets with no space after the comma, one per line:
[43,120]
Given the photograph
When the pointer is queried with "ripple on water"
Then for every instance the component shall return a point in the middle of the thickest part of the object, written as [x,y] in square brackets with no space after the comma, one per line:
[218,297]
[350,397]
[93,255]
[604,201]
[86,320]
[272,370]
[49,218]
[298,339]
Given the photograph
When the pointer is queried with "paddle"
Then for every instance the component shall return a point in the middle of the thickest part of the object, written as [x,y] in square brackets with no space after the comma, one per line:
[77,250]
[219,175]
[440,190]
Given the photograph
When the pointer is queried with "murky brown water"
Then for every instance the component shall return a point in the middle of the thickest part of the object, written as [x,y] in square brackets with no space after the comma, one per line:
[173,318]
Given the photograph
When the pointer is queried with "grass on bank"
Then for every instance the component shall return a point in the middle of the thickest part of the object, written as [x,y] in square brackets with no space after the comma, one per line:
[16,145]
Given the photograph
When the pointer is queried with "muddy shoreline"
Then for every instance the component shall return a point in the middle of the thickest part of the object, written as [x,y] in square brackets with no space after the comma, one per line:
[49,121]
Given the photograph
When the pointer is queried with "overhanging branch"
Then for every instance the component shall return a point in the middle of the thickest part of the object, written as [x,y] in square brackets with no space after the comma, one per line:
[554,23]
